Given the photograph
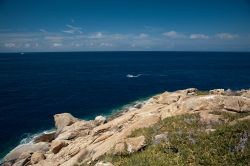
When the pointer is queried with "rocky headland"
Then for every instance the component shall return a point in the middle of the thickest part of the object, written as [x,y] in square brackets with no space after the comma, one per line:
[173,128]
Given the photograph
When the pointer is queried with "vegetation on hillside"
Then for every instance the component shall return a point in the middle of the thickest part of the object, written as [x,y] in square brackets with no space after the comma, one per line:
[186,140]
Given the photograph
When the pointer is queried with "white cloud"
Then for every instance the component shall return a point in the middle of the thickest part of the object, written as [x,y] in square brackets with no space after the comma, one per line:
[77,45]
[91,44]
[43,30]
[27,45]
[72,30]
[98,40]
[119,36]
[10,45]
[54,38]
[56,44]
[199,36]
[142,36]
[97,35]
[145,43]
[174,35]
[69,31]
[133,45]
[226,36]
[106,44]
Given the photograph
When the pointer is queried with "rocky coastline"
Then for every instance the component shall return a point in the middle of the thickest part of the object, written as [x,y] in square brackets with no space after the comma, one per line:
[80,142]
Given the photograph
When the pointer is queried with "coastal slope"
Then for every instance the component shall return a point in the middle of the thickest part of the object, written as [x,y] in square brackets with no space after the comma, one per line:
[169,128]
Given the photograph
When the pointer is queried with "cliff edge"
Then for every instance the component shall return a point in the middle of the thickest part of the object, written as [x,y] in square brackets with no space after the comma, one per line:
[170,128]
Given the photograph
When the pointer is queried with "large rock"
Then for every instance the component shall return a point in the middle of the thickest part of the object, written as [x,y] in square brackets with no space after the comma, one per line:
[63,120]
[46,163]
[161,138]
[101,163]
[217,92]
[37,157]
[246,93]
[79,128]
[6,164]
[119,148]
[100,120]
[103,136]
[26,149]
[73,151]
[236,104]
[198,103]
[239,120]
[217,102]
[45,137]
[22,162]
[78,159]
[167,98]
[67,135]
[57,145]
[24,155]
[187,92]
[147,120]
[135,144]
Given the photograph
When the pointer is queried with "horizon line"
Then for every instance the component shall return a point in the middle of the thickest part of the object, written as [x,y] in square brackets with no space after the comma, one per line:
[28,52]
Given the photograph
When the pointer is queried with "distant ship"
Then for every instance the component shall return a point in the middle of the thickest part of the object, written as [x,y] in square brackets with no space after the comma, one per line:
[22,53]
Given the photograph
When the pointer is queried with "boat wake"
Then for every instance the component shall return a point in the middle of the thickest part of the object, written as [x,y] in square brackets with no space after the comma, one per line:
[133,76]
[138,75]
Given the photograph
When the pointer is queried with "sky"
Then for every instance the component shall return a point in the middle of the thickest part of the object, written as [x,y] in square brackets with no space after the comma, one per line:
[124,25]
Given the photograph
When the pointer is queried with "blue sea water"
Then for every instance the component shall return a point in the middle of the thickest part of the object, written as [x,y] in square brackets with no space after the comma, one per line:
[35,86]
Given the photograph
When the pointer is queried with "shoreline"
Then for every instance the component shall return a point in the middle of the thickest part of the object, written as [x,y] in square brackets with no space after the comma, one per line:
[101,135]
[113,113]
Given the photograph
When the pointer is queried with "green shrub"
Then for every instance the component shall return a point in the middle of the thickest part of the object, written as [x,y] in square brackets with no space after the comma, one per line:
[190,144]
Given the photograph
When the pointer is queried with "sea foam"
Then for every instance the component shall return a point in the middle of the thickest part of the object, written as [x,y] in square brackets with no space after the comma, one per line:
[30,137]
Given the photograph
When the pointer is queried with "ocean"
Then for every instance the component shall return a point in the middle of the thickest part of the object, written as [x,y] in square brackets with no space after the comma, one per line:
[35,86]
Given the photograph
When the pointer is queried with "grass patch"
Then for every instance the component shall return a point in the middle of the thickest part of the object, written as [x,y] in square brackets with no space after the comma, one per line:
[230,116]
[189,144]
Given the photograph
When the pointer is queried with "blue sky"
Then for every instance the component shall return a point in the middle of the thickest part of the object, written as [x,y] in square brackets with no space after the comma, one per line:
[115,25]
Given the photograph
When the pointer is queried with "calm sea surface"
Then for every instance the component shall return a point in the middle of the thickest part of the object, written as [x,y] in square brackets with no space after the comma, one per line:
[35,86]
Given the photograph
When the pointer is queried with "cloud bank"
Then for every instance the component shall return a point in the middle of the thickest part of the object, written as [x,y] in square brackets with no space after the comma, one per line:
[75,39]
[174,35]
[199,36]
[227,36]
